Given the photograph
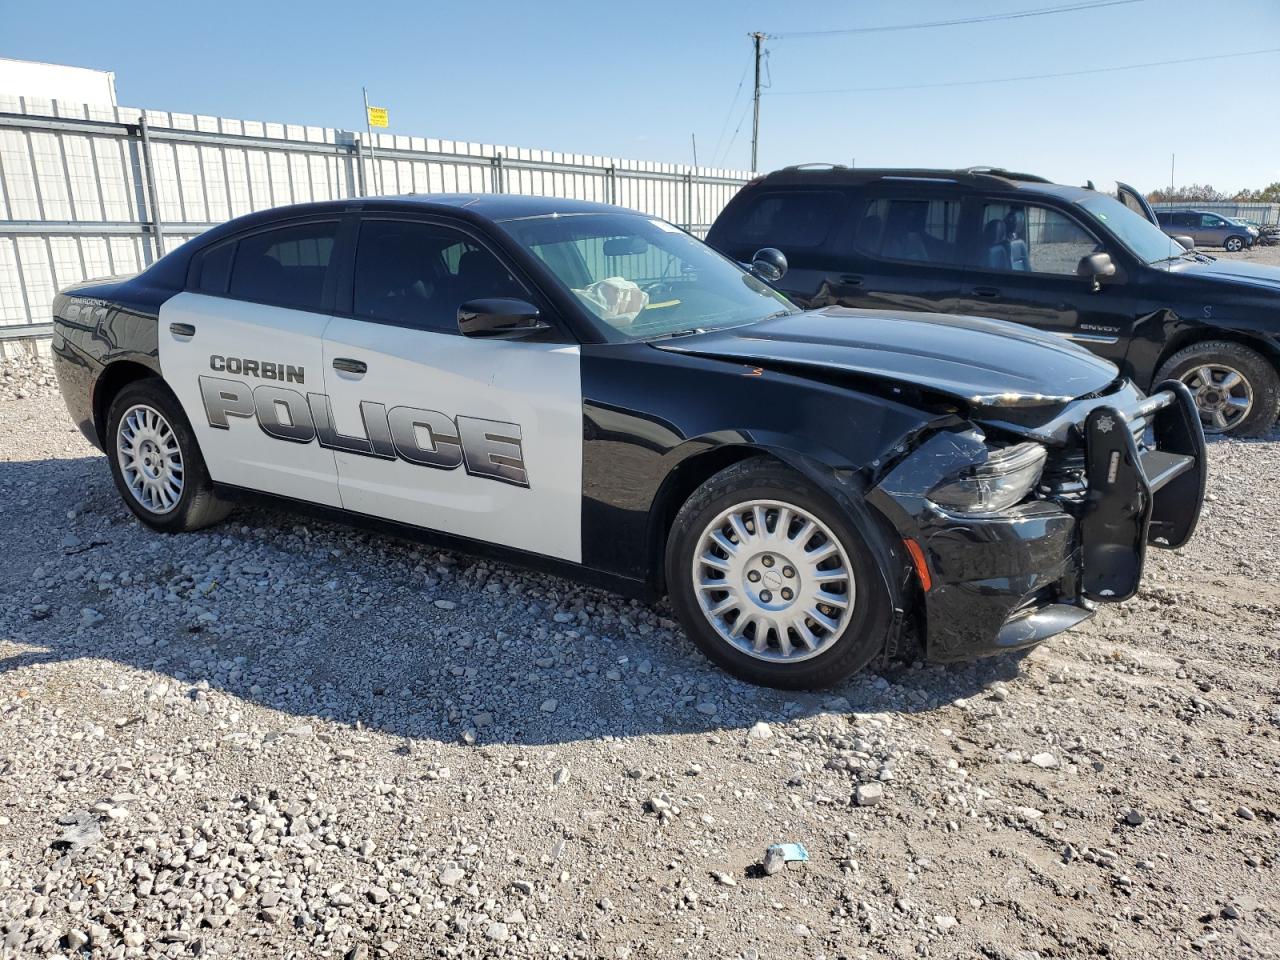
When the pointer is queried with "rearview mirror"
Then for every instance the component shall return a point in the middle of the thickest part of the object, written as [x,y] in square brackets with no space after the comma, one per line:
[625,246]
[1188,243]
[498,317]
[769,264]
[1096,266]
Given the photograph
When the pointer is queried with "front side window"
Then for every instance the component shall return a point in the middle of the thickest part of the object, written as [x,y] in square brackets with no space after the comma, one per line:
[418,274]
[1023,237]
[1211,220]
[285,267]
[920,231]
[796,219]
[642,278]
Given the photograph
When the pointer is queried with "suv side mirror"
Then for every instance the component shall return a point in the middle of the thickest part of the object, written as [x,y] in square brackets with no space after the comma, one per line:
[1096,266]
[499,317]
[1188,243]
[769,264]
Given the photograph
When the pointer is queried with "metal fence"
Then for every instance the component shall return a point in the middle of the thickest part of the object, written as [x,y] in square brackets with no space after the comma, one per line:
[95,191]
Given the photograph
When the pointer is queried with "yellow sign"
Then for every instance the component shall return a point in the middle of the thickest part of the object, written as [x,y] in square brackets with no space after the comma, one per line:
[377,116]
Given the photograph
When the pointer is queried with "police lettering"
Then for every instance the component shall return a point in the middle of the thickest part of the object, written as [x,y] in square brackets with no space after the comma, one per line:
[264,369]
[484,448]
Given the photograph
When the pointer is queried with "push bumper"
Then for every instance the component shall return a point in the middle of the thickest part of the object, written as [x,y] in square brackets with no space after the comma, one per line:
[1012,580]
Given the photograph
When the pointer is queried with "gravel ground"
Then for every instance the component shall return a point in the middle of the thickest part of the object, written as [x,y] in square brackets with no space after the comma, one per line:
[281,738]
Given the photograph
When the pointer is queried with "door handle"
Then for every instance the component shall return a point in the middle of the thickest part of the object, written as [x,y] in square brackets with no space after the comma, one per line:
[850,280]
[182,329]
[347,365]
[989,292]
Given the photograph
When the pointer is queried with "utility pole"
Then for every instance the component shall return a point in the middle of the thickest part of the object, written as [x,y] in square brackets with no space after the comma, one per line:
[1173,159]
[758,39]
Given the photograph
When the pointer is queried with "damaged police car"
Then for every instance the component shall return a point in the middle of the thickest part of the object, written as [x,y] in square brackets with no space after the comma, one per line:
[595,392]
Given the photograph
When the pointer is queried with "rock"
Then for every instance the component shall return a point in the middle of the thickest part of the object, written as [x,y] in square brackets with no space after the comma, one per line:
[446,604]
[549,705]
[76,939]
[868,794]
[522,886]
[1244,813]
[774,862]
[359,952]
[1135,818]
[451,876]
[1045,761]
[497,932]
[378,895]
[760,731]
[726,879]
[560,777]
[944,923]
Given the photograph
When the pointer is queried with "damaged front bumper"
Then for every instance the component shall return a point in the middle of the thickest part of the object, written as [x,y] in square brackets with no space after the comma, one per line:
[1128,472]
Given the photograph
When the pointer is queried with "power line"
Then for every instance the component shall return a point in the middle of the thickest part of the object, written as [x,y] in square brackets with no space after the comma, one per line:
[1030,76]
[959,21]
[728,114]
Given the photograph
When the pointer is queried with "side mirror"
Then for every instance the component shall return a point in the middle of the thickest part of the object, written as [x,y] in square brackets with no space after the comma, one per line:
[1188,243]
[498,317]
[1096,266]
[769,264]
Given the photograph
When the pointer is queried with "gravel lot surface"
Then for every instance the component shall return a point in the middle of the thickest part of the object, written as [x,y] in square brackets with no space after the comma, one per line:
[282,738]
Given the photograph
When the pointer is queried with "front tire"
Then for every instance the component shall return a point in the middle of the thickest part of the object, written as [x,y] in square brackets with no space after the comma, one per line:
[773,582]
[1236,389]
[156,462]
[1233,244]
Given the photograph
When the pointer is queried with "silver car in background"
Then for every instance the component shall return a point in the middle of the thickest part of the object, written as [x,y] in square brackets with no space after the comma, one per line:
[1208,229]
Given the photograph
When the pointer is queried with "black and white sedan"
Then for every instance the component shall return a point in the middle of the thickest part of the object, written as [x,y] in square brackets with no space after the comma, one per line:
[593,391]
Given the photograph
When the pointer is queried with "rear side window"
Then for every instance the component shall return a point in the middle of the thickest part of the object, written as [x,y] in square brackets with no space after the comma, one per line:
[285,267]
[796,220]
[919,231]
[418,274]
[215,267]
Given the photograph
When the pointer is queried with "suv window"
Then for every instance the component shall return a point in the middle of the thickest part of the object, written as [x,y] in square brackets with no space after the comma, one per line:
[922,231]
[1185,220]
[1035,239]
[418,274]
[1211,220]
[285,267]
[799,219]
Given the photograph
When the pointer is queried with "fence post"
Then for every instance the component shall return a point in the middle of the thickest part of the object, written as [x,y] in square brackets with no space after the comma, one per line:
[611,177]
[688,200]
[361,186]
[149,173]
[498,178]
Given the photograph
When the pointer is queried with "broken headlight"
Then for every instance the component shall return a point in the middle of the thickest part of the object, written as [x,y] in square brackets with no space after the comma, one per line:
[1007,476]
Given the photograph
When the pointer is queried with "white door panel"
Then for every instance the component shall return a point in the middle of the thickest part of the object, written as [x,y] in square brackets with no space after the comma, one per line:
[249,368]
[477,438]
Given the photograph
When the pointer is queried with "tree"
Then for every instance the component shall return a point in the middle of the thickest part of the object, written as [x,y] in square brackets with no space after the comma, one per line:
[1190,193]
[1268,194]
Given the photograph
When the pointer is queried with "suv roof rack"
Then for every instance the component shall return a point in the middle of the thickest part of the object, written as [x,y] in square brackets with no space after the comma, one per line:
[816,165]
[970,176]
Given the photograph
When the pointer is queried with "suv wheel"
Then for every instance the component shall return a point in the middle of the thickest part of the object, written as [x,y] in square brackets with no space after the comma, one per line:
[772,582]
[1236,389]
[156,462]
[1233,244]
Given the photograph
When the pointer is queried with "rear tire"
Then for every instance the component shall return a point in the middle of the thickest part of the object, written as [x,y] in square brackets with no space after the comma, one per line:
[156,462]
[844,589]
[1206,367]
[1233,244]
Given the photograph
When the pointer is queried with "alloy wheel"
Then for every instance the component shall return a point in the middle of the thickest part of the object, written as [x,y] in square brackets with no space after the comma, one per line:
[1223,395]
[150,458]
[773,581]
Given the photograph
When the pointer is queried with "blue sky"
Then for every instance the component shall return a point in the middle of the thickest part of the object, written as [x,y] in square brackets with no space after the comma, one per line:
[635,80]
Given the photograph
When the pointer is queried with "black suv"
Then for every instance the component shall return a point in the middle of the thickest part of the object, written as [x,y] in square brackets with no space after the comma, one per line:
[1071,260]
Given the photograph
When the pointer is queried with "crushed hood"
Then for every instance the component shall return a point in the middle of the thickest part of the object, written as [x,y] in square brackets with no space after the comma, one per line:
[1233,271]
[984,363]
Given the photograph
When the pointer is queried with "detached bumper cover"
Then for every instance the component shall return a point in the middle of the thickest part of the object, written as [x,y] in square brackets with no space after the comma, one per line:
[1012,580]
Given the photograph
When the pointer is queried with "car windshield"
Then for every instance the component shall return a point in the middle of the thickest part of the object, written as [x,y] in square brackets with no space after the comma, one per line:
[642,278]
[1143,238]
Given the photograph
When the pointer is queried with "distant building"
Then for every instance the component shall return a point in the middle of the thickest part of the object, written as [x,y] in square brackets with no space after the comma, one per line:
[53,81]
